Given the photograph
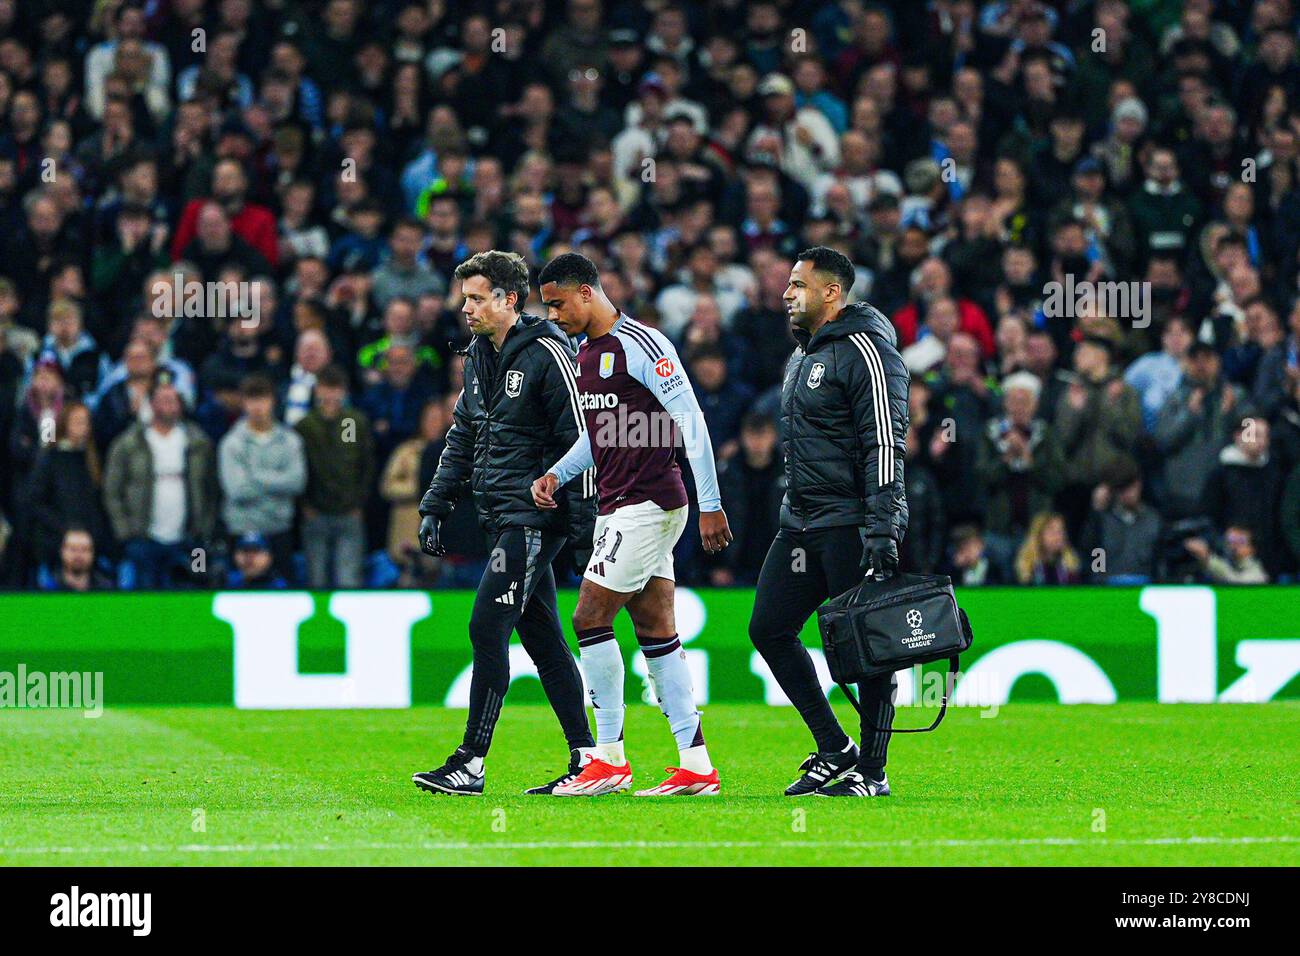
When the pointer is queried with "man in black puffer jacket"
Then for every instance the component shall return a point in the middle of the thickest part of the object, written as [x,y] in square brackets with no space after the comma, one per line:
[844,424]
[517,413]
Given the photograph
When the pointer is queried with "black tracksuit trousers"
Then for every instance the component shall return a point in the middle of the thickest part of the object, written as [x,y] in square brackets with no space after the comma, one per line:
[517,593]
[802,570]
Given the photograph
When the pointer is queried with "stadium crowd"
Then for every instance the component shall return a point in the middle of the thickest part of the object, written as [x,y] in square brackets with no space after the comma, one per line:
[335,159]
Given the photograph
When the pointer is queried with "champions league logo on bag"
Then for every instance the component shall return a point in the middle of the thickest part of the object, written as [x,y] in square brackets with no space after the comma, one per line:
[918,637]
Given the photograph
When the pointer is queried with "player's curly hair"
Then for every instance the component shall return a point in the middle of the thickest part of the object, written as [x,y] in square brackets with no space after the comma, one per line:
[506,271]
[570,268]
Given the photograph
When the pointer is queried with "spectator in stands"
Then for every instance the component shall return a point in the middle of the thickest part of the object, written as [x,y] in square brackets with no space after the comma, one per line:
[311,355]
[970,564]
[921,550]
[244,350]
[1194,425]
[1121,537]
[962,392]
[122,264]
[254,565]
[362,246]
[928,352]
[722,400]
[33,253]
[301,234]
[402,274]
[1165,215]
[262,470]
[1238,565]
[215,246]
[1098,422]
[20,340]
[160,489]
[399,329]
[1244,490]
[35,421]
[127,24]
[77,568]
[933,283]
[340,452]
[1156,375]
[393,404]
[400,487]
[699,278]
[66,486]
[1020,464]
[250,224]
[1279,368]
[1046,556]
[749,482]
[82,362]
[765,328]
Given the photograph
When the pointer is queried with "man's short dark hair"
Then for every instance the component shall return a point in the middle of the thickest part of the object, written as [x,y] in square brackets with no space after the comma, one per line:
[506,271]
[332,376]
[709,350]
[1123,472]
[837,264]
[570,269]
[256,386]
[1103,343]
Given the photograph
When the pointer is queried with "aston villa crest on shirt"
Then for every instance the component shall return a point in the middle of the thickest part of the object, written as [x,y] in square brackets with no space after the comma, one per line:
[815,376]
[514,383]
[606,364]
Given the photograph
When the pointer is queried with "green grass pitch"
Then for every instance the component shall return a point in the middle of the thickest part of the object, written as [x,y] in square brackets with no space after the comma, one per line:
[1038,784]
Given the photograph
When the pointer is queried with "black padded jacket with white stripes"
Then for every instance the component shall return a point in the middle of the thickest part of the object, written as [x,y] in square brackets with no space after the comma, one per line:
[844,426]
[517,413]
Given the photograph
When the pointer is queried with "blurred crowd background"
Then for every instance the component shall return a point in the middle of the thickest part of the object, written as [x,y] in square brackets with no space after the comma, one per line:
[340,157]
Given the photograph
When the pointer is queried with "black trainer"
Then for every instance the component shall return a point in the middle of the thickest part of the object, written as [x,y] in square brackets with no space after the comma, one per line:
[575,768]
[856,784]
[453,777]
[822,768]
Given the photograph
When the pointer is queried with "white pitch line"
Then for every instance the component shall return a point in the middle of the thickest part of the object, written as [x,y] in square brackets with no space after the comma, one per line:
[200,848]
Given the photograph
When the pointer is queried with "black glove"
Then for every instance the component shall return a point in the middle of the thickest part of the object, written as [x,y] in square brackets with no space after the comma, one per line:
[879,556]
[430,529]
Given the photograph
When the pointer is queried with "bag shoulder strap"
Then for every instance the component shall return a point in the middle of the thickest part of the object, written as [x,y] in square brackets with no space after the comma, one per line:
[943,708]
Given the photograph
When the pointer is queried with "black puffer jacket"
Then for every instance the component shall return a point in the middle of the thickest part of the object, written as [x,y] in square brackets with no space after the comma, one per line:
[517,413]
[844,425]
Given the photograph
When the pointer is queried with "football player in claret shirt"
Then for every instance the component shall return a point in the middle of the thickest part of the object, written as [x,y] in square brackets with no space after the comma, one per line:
[638,406]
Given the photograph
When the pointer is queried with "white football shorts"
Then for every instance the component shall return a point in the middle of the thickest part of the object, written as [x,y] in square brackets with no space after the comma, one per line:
[634,544]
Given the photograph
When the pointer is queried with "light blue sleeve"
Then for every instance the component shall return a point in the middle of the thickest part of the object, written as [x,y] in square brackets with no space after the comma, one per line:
[575,461]
[667,382]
